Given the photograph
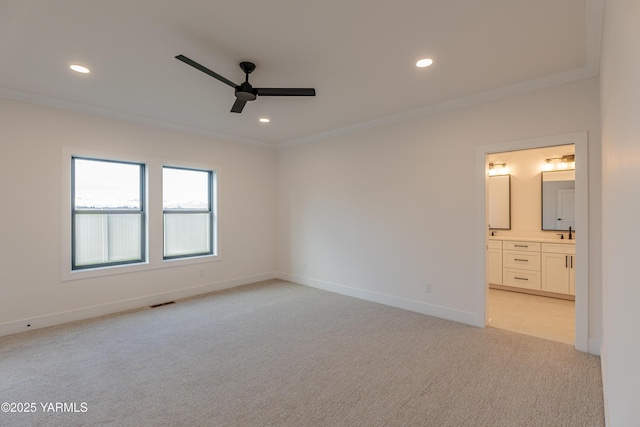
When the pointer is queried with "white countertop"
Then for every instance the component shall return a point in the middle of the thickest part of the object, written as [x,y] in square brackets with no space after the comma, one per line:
[535,239]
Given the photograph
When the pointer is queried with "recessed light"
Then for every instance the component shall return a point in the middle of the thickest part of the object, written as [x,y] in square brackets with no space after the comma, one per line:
[425,62]
[264,120]
[79,69]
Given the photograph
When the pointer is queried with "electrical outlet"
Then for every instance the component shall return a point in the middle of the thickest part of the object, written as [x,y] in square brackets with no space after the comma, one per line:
[427,288]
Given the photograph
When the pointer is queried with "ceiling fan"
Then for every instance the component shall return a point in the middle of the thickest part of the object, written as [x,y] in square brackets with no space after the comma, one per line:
[245,92]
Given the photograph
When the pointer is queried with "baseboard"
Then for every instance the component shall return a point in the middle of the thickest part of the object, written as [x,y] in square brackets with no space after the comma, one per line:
[594,347]
[39,322]
[605,389]
[393,301]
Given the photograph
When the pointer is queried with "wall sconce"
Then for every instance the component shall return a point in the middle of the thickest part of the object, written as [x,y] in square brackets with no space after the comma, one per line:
[498,169]
[565,162]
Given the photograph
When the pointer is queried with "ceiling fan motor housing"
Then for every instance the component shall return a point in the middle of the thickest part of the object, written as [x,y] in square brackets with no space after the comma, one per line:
[245,92]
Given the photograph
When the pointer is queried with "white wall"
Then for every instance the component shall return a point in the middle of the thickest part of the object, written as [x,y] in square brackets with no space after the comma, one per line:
[620,92]
[32,138]
[380,212]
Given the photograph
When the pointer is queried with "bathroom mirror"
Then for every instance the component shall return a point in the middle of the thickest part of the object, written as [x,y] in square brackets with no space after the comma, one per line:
[499,198]
[558,200]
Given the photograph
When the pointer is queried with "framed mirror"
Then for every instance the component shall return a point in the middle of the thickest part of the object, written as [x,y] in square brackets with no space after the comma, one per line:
[499,198]
[558,200]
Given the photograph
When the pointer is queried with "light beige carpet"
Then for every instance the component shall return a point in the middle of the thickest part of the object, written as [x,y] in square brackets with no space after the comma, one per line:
[279,354]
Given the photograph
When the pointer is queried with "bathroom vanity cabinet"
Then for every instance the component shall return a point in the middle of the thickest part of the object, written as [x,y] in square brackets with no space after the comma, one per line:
[543,266]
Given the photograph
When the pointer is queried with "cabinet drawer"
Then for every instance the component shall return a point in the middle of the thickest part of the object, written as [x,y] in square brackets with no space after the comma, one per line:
[521,246]
[558,248]
[521,279]
[521,260]
[494,244]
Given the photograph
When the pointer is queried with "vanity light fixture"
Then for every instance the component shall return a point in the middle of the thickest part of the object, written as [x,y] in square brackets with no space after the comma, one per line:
[498,169]
[264,120]
[566,162]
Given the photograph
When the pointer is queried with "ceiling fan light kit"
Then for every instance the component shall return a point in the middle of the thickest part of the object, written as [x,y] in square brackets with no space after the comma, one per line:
[245,92]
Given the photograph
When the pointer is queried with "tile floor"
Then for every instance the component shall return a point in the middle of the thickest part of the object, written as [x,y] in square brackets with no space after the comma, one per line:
[543,317]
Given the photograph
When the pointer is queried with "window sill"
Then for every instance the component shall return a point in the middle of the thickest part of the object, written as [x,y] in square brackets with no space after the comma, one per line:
[70,275]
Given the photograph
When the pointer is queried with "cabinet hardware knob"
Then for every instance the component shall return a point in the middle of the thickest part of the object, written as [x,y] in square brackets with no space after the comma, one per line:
[520,278]
[518,259]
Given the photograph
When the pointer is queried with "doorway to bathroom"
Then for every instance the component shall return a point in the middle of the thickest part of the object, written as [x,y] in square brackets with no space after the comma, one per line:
[538,312]
[531,216]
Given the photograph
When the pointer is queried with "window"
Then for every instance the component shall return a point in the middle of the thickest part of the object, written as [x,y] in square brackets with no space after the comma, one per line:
[107,213]
[188,211]
[128,213]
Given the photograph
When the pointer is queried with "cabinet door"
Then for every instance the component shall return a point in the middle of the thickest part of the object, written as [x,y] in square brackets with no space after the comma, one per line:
[494,266]
[555,272]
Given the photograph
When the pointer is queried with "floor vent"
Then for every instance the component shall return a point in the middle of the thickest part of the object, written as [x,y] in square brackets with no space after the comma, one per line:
[160,305]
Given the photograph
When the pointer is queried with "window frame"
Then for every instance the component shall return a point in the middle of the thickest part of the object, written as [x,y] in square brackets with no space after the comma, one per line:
[211,202]
[141,211]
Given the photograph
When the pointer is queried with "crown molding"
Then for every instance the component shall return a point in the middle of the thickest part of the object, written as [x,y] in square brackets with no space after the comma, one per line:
[478,98]
[32,98]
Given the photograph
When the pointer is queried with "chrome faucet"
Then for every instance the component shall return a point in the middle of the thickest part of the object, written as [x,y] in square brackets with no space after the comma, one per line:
[570,237]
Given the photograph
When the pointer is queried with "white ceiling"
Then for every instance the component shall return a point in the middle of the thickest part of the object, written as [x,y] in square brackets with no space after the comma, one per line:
[358,54]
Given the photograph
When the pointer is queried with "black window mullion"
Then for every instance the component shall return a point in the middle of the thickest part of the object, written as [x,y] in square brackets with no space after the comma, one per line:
[73,213]
[211,230]
[143,226]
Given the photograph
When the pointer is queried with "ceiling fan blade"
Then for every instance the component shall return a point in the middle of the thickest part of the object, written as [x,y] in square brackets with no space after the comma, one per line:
[204,69]
[269,91]
[238,106]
